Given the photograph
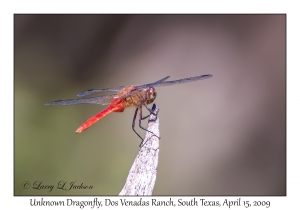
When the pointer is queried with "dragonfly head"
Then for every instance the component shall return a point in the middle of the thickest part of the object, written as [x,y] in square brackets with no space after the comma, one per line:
[150,95]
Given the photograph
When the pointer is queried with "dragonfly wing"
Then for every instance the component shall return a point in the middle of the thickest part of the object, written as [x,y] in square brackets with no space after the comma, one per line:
[180,81]
[93,91]
[139,88]
[104,100]
[161,80]
[118,89]
[151,84]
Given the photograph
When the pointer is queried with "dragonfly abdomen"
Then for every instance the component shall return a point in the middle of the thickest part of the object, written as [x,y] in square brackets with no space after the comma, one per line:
[114,107]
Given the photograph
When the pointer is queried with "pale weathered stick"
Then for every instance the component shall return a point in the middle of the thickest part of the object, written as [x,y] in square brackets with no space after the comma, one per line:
[142,175]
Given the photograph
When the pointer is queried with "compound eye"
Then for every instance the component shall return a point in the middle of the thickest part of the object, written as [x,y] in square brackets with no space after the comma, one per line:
[151,93]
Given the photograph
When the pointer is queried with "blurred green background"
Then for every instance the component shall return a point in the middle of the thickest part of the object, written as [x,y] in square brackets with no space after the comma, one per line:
[221,136]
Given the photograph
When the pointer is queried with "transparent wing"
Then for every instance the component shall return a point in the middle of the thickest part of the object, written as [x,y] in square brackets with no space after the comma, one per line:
[93,91]
[103,100]
[180,81]
[166,83]
[140,87]
[118,89]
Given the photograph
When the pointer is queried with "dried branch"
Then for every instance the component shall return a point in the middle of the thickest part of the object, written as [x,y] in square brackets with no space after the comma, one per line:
[142,175]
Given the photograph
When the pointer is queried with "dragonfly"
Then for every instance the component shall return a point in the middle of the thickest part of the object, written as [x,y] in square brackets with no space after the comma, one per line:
[137,96]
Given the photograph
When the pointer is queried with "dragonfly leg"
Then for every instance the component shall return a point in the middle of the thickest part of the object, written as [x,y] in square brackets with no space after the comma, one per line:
[133,123]
[146,117]
[140,123]
[150,110]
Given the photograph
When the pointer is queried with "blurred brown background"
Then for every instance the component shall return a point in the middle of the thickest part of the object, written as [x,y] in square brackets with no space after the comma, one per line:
[222,136]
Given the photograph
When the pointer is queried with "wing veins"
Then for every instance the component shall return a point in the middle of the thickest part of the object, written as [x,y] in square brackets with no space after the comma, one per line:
[117,89]
[162,82]
[94,91]
[141,87]
[104,100]
[180,81]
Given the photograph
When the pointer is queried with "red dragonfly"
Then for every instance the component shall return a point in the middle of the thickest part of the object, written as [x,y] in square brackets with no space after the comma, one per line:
[128,96]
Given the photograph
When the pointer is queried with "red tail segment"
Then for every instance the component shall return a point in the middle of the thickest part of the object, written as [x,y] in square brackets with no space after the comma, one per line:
[111,108]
